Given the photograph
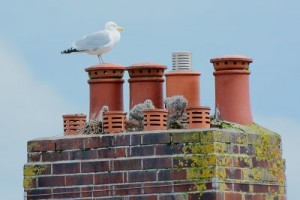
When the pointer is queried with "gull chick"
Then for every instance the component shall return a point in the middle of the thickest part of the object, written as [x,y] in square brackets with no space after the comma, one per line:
[97,43]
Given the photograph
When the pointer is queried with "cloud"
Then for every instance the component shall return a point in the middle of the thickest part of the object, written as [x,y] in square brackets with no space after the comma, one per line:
[29,109]
[288,128]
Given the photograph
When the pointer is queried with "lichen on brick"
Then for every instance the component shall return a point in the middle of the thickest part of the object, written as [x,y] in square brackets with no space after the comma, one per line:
[30,172]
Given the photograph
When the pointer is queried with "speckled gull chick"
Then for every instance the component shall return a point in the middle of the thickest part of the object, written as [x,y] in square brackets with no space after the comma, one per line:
[97,43]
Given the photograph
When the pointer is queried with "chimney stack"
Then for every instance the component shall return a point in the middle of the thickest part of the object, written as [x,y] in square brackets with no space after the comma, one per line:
[232,101]
[106,87]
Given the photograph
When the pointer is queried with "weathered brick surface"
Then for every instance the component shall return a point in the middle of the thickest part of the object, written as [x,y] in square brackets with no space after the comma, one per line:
[181,165]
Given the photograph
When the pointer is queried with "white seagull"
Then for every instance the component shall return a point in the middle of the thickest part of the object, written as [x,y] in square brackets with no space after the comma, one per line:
[97,43]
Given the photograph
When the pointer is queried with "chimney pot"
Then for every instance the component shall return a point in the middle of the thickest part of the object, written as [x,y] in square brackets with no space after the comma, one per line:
[232,88]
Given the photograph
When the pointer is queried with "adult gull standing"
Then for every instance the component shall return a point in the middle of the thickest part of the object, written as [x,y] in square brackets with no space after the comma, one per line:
[97,43]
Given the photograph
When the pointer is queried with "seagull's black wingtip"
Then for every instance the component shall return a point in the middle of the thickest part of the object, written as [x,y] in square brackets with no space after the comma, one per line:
[71,50]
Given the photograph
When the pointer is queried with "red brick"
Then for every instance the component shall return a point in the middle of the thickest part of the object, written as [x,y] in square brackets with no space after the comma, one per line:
[157,163]
[257,188]
[34,157]
[152,188]
[274,189]
[141,176]
[106,153]
[178,160]
[171,175]
[144,197]
[260,163]
[135,139]
[60,193]
[55,156]
[109,178]
[132,164]
[168,149]
[183,186]
[243,150]
[79,180]
[140,151]
[194,196]
[242,187]
[39,194]
[96,191]
[66,168]
[128,189]
[69,144]
[235,149]
[254,197]
[232,196]
[95,166]
[156,138]
[51,181]
[120,152]
[172,196]
[122,140]
[41,146]
[232,173]
[250,150]
[244,163]
[83,155]
[99,141]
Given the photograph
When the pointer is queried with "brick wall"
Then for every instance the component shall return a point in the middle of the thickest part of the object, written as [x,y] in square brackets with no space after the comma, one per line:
[159,165]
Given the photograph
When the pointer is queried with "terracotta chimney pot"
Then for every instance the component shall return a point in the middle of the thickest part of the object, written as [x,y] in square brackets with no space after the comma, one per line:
[232,101]
[106,87]
[146,82]
[114,121]
[73,123]
[198,117]
[185,83]
[182,80]
[155,119]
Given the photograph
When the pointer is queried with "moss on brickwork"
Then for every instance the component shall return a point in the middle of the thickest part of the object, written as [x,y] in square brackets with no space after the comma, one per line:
[30,172]
[212,155]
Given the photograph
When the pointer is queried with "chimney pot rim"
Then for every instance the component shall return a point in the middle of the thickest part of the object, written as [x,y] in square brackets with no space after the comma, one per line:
[74,115]
[105,66]
[146,65]
[231,58]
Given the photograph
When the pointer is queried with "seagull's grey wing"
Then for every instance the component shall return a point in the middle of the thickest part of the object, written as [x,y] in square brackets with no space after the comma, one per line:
[93,41]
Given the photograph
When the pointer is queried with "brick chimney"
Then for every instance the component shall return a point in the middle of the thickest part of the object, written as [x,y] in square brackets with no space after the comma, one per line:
[106,87]
[232,101]
[146,82]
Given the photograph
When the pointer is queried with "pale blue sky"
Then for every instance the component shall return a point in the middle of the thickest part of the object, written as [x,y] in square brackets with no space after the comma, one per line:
[38,84]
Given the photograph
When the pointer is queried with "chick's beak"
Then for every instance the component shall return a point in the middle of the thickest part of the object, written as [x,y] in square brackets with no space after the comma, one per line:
[120,28]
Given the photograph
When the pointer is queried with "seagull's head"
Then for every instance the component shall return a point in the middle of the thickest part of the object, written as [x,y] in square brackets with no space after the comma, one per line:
[112,26]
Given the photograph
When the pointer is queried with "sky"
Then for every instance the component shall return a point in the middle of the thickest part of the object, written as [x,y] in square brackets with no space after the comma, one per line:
[38,84]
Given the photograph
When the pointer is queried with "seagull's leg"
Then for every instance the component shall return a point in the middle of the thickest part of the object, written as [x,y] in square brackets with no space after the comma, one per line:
[100,58]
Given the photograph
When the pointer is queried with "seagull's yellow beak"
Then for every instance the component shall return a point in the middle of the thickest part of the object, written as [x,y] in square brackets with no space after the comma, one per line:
[120,28]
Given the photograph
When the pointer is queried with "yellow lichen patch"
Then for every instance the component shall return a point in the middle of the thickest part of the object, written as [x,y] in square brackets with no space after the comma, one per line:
[221,173]
[32,146]
[223,187]
[219,147]
[28,182]
[33,170]
[197,148]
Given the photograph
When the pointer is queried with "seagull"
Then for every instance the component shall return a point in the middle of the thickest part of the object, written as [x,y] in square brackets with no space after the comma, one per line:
[97,43]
